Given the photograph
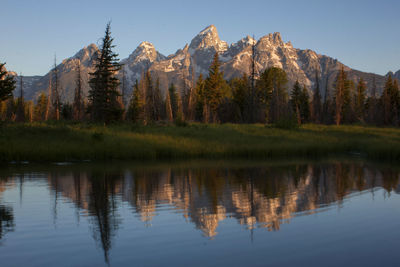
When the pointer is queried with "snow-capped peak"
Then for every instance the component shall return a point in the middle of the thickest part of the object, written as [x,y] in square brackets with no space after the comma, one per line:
[146,45]
[209,29]
[208,38]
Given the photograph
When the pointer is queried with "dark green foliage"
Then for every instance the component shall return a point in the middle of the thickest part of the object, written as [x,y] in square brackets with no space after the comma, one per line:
[174,100]
[40,108]
[360,100]
[7,83]
[342,95]
[20,112]
[273,93]
[199,102]
[78,105]
[390,102]
[304,105]
[316,114]
[215,90]
[103,95]
[135,105]
[295,101]
[240,94]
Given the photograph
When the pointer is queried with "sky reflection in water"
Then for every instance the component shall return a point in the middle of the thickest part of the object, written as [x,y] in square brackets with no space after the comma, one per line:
[277,214]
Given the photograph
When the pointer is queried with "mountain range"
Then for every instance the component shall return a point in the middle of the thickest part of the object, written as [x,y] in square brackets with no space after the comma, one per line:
[182,67]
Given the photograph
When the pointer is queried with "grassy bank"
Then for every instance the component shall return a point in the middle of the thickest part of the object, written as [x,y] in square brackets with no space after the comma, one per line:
[43,142]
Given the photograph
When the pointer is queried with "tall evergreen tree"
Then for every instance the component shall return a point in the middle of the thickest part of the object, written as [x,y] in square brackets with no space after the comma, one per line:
[123,84]
[272,93]
[174,100]
[151,109]
[56,101]
[7,83]
[135,107]
[158,102]
[372,106]
[304,105]
[340,95]
[390,102]
[241,90]
[316,115]
[103,95]
[252,106]
[295,101]
[20,113]
[78,105]
[360,100]
[215,89]
[199,98]
[40,108]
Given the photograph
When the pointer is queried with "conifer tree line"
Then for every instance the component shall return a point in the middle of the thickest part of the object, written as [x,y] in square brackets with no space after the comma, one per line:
[255,98]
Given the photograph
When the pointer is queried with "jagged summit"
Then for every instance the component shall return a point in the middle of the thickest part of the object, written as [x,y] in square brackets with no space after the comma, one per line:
[209,29]
[144,52]
[273,39]
[208,38]
[187,63]
[86,55]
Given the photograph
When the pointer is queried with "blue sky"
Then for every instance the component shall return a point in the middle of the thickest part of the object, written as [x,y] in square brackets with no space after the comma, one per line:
[364,35]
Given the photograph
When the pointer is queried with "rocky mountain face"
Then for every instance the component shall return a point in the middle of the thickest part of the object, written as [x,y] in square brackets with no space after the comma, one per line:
[187,63]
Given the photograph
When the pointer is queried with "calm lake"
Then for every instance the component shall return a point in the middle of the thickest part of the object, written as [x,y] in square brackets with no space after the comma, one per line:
[334,213]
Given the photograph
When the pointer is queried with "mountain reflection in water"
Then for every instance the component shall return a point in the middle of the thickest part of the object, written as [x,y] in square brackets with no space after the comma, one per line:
[257,197]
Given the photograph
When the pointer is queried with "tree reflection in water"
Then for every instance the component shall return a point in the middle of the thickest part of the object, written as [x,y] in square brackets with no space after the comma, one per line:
[257,197]
[6,212]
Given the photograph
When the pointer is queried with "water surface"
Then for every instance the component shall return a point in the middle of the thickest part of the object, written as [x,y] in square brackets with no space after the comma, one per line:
[238,214]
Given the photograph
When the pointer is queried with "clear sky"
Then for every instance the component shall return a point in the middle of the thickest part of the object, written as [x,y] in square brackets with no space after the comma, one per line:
[363,34]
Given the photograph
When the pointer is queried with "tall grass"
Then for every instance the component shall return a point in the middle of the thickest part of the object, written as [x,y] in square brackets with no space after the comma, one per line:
[70,142]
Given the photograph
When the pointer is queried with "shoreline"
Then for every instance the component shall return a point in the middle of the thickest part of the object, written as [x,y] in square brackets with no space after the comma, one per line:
[40,142]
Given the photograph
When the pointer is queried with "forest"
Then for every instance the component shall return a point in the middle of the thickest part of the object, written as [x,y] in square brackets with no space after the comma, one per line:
[253,98]
[252,116]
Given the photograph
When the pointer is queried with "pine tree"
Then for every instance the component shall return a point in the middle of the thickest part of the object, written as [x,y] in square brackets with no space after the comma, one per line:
[7,83]
[272,94]
[56,101]
[295,101]
[157,101]
[123,87]
[192,97]
[316,115]
[29,111]
[40,108]
[390,102]
[151,98]
[173,99]
[135,107]
[252,99]
[215,88]
[241,90]
[305,105]
[348,110]
[78,105]
[339,95]
[103,95]
[372,106]
[360,100]
[199,101]
[20,113]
